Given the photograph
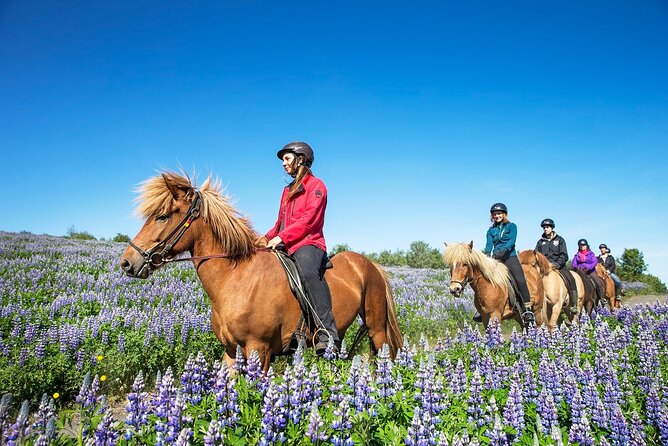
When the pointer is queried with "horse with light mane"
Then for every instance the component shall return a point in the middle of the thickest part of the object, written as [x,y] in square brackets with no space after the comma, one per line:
[556,291]
[251,301]
[490,281]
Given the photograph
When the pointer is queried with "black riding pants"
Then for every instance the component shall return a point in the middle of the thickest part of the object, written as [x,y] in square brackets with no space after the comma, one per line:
[312,261]
[516,271]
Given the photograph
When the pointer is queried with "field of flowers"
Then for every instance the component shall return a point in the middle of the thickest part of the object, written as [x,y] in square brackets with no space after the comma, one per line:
[88,356]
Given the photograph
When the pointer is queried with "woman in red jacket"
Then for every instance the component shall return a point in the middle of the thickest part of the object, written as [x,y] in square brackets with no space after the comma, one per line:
[299,227]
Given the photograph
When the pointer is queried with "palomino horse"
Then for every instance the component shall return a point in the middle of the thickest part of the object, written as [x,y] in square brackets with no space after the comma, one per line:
[556,292]
[490,281]
[252,305]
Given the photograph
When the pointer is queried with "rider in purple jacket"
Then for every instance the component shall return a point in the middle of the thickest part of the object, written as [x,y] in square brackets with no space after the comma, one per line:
[586,260]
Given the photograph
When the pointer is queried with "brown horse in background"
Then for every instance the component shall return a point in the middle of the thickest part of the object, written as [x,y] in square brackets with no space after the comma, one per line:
[556,291]
[251,301]
[610,293]
[490,281]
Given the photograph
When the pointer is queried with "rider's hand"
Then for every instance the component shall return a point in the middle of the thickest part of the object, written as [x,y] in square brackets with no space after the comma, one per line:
[274,242]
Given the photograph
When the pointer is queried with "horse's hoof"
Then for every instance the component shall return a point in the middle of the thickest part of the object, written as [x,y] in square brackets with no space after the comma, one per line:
[477,318]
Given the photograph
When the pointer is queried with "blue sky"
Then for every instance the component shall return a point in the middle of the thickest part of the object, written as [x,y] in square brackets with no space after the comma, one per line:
[421,114]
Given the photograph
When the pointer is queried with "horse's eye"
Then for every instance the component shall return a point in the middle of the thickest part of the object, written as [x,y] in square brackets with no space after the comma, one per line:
[161,218]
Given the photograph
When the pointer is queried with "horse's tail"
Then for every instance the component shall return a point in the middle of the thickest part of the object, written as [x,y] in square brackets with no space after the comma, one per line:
[392,331]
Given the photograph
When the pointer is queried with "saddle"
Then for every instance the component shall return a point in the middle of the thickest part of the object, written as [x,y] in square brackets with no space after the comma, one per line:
[300,291]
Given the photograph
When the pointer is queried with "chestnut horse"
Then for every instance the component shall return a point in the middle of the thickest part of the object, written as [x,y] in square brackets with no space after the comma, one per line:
[556,293]
[251,301]
[490,281]
[610,294]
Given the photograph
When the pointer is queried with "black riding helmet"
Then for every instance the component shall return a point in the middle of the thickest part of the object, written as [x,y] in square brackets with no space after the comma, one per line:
[298,148]
[602,246]
[496,207]
[547,222]
[583,242]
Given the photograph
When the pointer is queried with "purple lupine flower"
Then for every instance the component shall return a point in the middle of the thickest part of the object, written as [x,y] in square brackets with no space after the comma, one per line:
[619,434]
[176,419]
[239,361]
[493,337]
[530,388]
[213,434]
[165,395]
[518,342]
[45,412]
[497,436]
[653,405]
[546,408]
[106,434]
[40,350]
[343,352]
[20,430]
[87,396]
[361,382]
[45,438]
[5,406]
[577,407]
[474,403]
[342,424]
[226,396]
[662,424]
[294,384]
[637,431]
[336,394]
[556,436]
[385,381]
[513,412]
[316,427]
[458,382]
[274,416]
[137,407]
[313,386]
[581,432]
[254,369]
[599,415]
[121,343]
[406,355]
[195,380]
[184,437]
[420,432]
[569,388]
[331,350]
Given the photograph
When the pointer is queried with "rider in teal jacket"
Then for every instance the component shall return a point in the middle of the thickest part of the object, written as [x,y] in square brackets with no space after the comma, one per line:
[501,241]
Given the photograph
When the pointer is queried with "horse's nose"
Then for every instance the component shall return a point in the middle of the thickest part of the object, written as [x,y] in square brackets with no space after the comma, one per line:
[455,289]
[127,267]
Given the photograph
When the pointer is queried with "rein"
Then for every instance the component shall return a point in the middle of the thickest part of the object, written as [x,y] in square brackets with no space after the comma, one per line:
[465,282]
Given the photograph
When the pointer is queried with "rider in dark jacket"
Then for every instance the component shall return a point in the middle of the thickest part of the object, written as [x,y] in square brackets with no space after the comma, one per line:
[553,246]
[610,266]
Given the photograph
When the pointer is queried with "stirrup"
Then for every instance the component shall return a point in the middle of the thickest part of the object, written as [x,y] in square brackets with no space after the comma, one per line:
[528,318]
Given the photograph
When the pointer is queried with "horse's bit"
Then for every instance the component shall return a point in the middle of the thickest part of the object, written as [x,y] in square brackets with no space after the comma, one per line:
[153,258]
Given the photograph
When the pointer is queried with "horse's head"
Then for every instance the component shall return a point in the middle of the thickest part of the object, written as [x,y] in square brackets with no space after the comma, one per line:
[170,204]
[461,266]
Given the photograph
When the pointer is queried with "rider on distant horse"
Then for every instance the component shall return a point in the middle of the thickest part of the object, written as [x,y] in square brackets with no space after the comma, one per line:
[610,266]
[586,260]
[501,237]
[299,227]
[553,247]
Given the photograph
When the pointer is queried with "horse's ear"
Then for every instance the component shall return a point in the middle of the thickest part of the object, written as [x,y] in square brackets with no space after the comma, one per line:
[171,186]
[471,245]
[446,244]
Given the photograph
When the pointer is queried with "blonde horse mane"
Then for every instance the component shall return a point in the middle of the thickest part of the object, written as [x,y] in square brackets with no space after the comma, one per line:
[493,271]
[230,229]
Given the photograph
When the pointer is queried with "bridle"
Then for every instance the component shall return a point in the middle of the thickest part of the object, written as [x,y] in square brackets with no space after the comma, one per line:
[155,257]
[467,281]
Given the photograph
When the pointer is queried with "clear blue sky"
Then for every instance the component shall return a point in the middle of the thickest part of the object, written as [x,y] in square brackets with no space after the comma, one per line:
[421,114]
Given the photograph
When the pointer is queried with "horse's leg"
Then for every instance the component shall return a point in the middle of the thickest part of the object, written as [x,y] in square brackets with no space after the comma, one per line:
[379,313]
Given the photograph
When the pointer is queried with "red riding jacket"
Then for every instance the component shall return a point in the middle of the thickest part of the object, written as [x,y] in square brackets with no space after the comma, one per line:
[302,217]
